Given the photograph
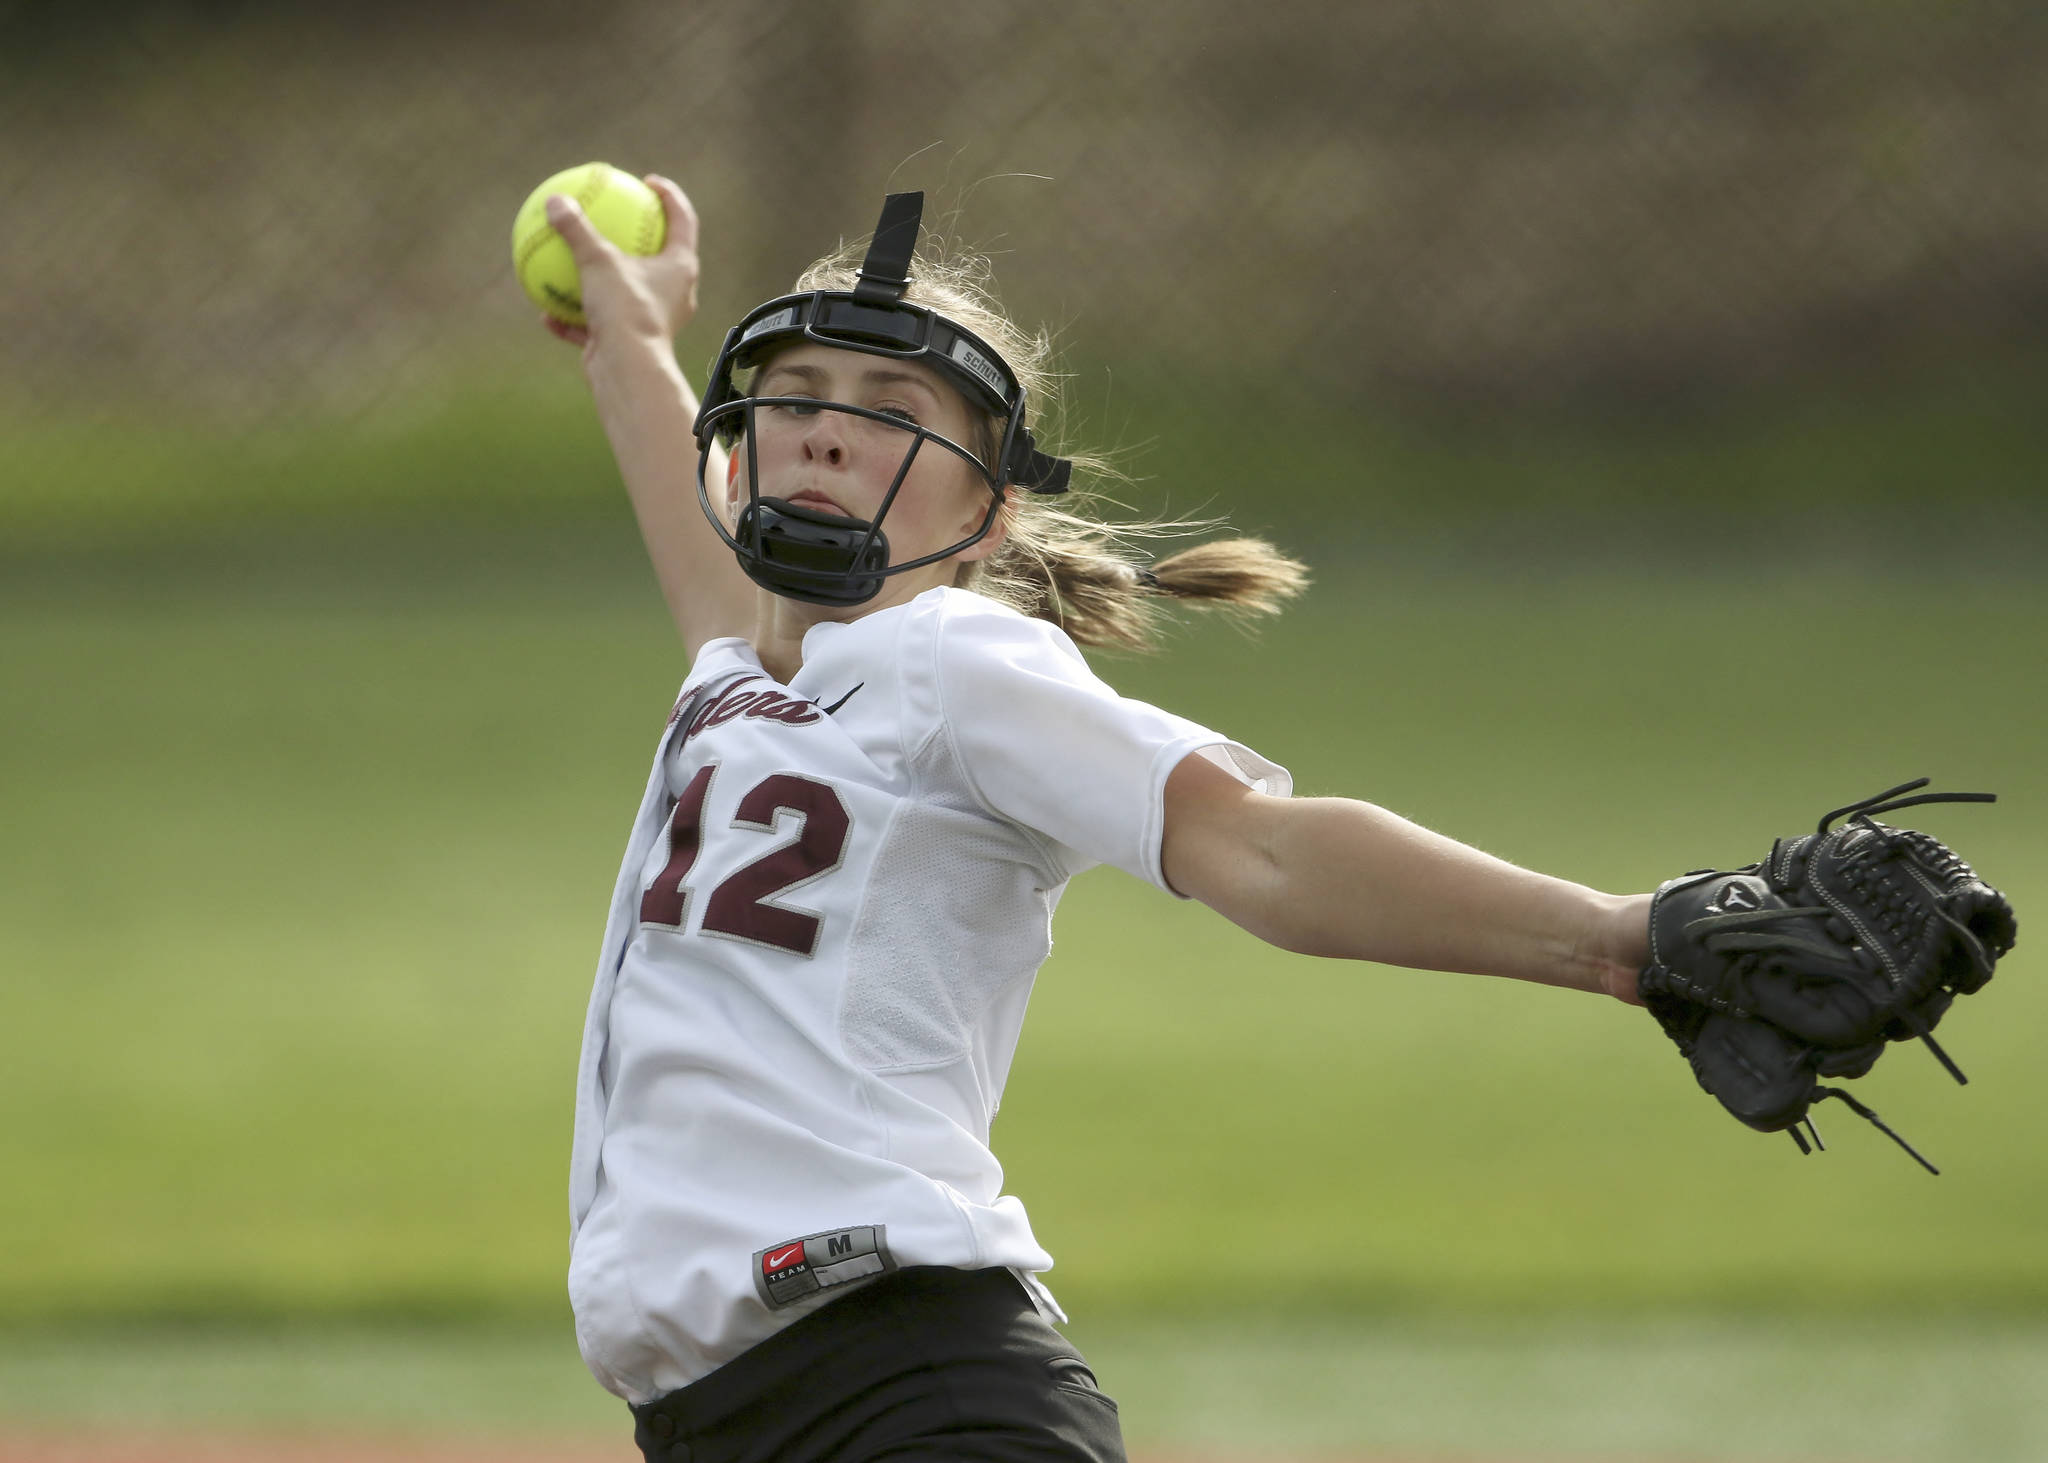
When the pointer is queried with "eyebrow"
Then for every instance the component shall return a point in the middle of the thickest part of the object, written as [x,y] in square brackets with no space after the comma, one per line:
[875,376]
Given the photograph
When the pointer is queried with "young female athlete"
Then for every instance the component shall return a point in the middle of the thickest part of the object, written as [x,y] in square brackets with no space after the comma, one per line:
[888,758]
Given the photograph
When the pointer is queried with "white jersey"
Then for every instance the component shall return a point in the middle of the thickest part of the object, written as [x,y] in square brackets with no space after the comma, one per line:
[835,898]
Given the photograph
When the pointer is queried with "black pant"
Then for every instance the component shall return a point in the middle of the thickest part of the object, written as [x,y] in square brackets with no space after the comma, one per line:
[927,1363]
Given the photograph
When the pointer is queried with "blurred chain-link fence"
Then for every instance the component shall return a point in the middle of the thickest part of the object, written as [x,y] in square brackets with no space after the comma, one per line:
[238,221]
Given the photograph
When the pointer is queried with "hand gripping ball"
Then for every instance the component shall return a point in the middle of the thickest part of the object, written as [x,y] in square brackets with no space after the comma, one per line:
[623,209]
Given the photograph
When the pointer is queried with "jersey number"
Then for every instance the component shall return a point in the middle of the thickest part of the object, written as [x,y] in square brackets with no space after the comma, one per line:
[739,907]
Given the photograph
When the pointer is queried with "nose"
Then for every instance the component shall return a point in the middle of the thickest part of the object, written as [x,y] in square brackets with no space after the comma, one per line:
[825,439]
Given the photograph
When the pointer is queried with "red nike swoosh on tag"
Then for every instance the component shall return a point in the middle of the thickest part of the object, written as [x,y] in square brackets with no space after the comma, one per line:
[784,1257]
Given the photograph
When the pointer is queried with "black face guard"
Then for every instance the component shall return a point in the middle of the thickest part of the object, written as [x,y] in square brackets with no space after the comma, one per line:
[826,558]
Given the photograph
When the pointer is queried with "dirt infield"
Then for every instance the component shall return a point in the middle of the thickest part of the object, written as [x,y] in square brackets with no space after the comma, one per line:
[150,1447]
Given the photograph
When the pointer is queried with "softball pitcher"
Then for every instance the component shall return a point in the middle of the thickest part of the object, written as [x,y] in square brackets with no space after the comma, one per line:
[791,1240]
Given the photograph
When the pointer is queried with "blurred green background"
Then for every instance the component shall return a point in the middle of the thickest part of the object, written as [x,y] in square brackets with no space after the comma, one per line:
[1654,391]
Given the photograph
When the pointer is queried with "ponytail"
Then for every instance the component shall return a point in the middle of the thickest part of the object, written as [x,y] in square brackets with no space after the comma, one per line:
[1076,572]
[1085,574]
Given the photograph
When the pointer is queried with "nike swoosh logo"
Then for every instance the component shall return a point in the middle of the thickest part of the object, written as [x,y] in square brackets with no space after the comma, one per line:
[828,710]
[782,1258]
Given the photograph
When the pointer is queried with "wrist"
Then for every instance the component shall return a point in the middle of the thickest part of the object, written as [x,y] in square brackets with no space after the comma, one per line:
[631,352]
[638,385]
[1618,945]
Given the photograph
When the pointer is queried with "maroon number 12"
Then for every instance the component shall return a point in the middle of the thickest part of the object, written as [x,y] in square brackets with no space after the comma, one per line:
[739,907]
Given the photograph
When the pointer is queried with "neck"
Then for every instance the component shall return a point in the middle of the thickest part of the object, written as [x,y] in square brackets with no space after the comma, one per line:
[779,626]
[780,623]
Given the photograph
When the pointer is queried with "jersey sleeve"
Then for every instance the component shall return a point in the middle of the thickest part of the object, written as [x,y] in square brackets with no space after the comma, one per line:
[1044,743]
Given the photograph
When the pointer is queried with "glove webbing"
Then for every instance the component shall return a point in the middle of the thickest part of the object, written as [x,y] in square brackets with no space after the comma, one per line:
[1865,812]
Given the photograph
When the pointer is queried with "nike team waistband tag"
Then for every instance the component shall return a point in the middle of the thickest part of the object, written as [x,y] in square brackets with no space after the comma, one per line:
[787,1273]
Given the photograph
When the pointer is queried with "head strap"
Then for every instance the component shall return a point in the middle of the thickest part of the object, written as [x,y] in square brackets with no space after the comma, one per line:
[885,273]
[1030,468]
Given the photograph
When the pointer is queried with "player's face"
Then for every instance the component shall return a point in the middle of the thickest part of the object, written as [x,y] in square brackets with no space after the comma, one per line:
[837,462]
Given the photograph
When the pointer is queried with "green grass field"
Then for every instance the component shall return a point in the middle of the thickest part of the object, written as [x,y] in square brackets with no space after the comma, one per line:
[300,896]
[1258,1388]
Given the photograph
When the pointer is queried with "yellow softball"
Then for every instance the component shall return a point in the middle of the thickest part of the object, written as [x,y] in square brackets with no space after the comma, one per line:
[624,209]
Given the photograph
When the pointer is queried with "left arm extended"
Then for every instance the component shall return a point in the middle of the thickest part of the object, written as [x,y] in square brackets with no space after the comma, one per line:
[1330,876]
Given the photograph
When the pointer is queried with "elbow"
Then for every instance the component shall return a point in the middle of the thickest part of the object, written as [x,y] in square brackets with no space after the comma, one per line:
[1265,900]
[1299,891]
[1303,938]
[1245,855]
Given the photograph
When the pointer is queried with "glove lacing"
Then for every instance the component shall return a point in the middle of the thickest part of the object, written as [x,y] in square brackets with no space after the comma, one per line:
[1870,807]
[1861,1111]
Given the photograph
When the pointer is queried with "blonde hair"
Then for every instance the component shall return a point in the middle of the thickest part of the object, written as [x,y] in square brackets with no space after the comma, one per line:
[1084,573]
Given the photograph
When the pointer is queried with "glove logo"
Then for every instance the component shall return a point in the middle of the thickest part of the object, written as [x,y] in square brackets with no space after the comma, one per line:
[1733,896]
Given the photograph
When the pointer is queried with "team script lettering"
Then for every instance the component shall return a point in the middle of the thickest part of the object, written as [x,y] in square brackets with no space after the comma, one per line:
[761,705]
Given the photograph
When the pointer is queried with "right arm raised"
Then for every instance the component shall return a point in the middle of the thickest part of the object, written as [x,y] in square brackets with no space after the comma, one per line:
[635,305]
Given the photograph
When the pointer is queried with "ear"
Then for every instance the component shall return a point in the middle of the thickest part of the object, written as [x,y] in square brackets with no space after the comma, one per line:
[731,508]
[993,541]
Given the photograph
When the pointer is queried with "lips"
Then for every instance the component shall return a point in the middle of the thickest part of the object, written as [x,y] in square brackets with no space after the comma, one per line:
[817,501]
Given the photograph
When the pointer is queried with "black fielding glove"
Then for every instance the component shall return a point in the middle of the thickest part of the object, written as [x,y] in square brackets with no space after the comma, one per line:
[1807,964]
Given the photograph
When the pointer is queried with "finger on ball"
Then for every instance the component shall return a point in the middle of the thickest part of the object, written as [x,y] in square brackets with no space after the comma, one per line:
[682,214]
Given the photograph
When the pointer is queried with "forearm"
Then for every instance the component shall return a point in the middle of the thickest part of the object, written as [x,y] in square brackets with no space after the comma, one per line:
[647,410]
[1346,878]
